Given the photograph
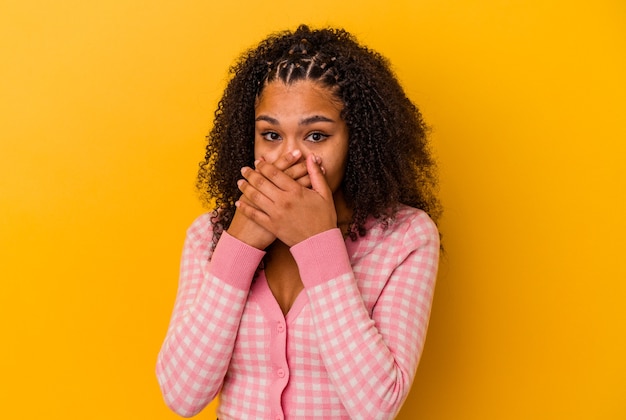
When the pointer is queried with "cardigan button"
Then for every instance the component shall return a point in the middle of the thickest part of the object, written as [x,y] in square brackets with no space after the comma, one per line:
[281,327]
[281,373]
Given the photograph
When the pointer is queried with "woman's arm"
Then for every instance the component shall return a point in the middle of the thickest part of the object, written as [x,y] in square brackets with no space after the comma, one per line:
[372,358]
[209,304]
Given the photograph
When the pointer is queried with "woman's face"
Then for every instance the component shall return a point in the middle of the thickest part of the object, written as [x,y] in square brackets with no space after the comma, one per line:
[303,116]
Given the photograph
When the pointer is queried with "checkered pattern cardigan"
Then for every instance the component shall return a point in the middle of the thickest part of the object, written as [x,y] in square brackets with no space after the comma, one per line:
[348,347]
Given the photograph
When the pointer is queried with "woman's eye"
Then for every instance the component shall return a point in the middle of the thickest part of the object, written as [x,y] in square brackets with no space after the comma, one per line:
[316,137]
[270,135]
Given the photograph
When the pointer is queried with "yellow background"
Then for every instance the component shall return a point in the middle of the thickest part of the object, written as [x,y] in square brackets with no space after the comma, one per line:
[103,111]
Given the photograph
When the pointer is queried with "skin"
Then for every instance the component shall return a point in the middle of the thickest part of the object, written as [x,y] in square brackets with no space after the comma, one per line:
[290,195]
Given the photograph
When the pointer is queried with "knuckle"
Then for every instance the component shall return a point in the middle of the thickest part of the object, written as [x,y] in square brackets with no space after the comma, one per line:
[259,181]
[273,172]
[254,196]
[281,163]
[252,214]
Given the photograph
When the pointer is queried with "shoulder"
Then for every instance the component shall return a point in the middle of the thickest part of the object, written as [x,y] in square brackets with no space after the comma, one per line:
[201,227]
[414,224]
[199,235]
[409,230]
[408,223]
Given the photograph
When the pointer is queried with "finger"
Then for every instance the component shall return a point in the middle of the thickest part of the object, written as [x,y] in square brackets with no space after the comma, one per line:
[288,159]
[253,196]
[252,213]
[274,175]
[316,173]
[298,170]
[300,173]
[246,200]
[304,181]
[258,180]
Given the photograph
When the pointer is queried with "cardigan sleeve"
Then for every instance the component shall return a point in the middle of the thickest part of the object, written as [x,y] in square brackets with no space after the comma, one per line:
[211,296]
[372,356]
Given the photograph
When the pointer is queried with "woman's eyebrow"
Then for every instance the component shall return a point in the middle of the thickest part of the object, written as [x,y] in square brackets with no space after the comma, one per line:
[305,121]
[270,120]
[314,119]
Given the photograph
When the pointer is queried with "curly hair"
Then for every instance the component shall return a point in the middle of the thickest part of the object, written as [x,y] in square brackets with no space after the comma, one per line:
[389,162]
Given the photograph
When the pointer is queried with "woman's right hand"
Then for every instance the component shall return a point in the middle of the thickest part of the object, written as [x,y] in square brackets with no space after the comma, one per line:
[248,231]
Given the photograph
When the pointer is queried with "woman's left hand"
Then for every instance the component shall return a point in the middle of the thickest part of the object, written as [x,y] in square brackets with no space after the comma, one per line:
[281,205]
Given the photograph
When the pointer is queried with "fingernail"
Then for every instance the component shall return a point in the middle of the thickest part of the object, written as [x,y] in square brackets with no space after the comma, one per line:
[237,203]
[239,182]
[323,170]
[256,162]
[296,153]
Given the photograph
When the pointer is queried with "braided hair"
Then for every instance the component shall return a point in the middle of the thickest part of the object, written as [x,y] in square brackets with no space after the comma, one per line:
[389,161]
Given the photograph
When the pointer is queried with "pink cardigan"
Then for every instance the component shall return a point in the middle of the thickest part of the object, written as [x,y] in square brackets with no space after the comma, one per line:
[348,347]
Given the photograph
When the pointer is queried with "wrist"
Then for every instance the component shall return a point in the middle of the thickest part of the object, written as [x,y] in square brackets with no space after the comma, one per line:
[250,233]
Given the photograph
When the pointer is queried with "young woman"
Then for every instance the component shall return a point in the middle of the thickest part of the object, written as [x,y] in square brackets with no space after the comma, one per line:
[307,292]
